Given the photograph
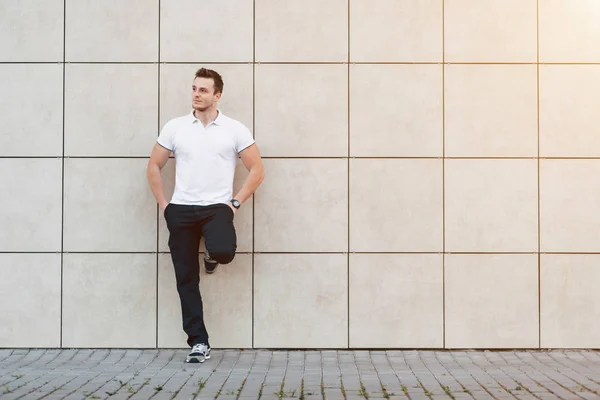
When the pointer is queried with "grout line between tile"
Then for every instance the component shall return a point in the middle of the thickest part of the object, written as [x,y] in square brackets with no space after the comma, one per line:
[254,135]
[300,62]
[329,252]
[28,252]
[62,200]
[157,207]
[443,177]
[34,157]
[319,157]
[537,13]
[348,176]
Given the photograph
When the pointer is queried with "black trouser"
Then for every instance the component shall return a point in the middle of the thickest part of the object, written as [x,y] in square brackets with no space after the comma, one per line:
[187,224]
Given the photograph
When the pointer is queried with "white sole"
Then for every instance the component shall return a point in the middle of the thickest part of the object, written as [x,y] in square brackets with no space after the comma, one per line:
[196,360]
[213,270]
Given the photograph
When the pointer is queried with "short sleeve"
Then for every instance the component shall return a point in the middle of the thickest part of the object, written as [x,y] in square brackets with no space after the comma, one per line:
[167,136]
[244,138]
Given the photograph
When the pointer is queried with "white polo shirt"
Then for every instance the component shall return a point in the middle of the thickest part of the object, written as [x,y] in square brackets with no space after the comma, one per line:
[205,157]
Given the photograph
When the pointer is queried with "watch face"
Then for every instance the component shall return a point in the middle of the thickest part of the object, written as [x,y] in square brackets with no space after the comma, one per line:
[235,203]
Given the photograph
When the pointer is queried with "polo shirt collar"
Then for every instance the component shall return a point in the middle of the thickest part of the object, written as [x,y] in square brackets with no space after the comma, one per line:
[217,121]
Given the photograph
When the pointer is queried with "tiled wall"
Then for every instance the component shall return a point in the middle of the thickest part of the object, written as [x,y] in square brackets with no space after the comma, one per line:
[432,171]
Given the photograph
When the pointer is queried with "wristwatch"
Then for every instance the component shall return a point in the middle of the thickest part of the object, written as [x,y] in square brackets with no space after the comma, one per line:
[236,204]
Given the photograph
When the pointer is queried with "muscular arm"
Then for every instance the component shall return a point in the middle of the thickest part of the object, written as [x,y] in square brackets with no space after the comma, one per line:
[158,159]
[251,158]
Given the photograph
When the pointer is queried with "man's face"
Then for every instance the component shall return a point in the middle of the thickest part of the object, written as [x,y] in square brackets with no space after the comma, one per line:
[203,94]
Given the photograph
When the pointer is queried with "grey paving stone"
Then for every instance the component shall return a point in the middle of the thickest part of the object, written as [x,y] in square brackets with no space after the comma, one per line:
[137,374]
[333,394]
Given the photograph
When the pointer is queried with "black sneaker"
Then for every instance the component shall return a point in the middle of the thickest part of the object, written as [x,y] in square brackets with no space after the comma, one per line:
[210,265]
[200,353]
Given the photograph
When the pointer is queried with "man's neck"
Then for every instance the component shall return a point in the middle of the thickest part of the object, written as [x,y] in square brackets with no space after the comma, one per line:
[206,116]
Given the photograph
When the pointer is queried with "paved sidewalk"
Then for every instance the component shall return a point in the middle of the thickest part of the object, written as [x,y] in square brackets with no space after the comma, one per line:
[263,374]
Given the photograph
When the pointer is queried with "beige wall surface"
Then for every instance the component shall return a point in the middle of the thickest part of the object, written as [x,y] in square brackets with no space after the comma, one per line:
[432,172]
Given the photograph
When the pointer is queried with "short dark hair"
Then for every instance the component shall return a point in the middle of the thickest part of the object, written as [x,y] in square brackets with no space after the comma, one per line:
[211,74]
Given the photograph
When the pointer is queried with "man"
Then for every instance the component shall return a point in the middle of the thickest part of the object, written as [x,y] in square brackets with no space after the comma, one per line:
[206,145]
